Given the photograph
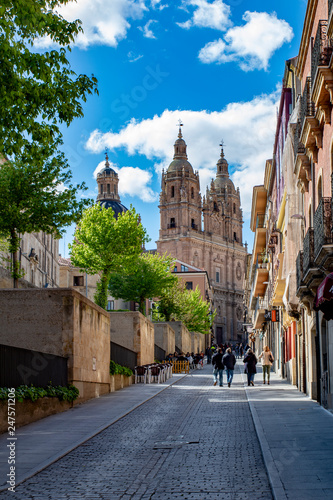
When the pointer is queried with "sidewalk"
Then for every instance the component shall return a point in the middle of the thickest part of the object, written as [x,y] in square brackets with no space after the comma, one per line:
[296,438]
[43,442]
[295,433]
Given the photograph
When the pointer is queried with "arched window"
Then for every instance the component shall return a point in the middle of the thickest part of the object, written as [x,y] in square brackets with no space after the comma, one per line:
[108,188]
[172,191]
[192,193]
[101,189]
[234,208]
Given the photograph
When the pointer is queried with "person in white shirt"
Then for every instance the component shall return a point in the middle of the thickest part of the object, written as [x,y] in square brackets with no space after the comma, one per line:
[267,361]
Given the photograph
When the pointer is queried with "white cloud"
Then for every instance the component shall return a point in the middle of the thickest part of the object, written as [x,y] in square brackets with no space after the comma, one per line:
[251,45]
[247,129]
[132,57]
[133,181]
[147,32]
[156,4]
[208,15]
[104,22]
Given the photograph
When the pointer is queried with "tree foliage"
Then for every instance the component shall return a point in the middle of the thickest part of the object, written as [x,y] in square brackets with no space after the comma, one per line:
[178,303]
[148,276]
[38,93]
[103,244]
[36,197]
[38,89]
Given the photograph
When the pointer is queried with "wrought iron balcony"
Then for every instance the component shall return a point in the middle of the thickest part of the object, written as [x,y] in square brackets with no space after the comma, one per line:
[323,241]
[308,251]
[307,106]
[322,49]
[299,271]
[299,148]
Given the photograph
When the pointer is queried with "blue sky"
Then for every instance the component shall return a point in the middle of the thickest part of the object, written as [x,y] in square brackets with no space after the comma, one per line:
[216,65]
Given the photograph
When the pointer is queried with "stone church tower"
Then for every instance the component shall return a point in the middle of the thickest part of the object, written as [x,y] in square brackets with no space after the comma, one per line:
[206,233]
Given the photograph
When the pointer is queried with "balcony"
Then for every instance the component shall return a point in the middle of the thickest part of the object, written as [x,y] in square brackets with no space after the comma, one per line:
[260,235]
[260,277]
[323,241]
[259,313]
[312,276]
[311,134]
[321,73]
[300,287]
[302,162]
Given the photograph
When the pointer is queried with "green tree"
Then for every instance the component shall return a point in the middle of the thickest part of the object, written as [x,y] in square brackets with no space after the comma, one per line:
[38,89]
[149,275]
[33,198]
[178,303]
[195,312]
[103,244]
[168,305]
[38,93]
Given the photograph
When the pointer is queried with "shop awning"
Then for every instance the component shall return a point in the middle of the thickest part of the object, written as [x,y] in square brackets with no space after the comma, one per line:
[324,297]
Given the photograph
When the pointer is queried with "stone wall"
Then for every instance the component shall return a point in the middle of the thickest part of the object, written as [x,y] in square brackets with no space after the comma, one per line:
[64,323]
[182,336]
[197,342]
[165,337]
[135,332]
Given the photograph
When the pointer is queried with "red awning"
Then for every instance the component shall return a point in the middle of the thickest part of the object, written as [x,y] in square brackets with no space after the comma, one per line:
[324,297]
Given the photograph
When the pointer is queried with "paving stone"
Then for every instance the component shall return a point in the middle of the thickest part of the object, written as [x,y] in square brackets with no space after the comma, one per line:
[211,452]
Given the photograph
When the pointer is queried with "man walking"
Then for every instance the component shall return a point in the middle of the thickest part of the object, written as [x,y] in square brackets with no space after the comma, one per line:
[218,367]
[229,362]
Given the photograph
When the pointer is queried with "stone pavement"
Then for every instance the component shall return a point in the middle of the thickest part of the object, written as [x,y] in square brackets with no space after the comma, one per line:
[41,443]
[191,440]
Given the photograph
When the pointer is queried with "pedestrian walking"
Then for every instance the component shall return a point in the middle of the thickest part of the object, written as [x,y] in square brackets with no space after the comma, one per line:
[218,367]
[267,361]
[209,353]
[229,362]
[250,361]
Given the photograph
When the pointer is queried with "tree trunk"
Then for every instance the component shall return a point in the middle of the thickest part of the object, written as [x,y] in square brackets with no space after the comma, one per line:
[101,296]
[13,248]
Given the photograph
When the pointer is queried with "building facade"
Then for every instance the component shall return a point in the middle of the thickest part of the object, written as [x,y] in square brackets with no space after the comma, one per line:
[206,233]
[292,219]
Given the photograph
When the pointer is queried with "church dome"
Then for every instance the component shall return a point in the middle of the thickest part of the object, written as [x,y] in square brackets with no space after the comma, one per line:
[222,175]
[116,206]
[180,161]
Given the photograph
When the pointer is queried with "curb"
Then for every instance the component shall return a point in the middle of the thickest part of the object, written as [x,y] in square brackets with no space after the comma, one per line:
[78,443]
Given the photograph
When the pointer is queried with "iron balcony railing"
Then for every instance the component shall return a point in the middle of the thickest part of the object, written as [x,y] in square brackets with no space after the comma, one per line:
[308,251]
[322,225]
[322,49]
[298,145]
[307,105]
[299,270]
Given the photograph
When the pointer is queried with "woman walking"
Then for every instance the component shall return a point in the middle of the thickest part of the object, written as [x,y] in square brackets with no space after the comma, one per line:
[267,361]
[250,367]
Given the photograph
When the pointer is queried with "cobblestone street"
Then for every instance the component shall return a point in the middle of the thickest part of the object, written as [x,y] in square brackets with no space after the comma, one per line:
[192,441]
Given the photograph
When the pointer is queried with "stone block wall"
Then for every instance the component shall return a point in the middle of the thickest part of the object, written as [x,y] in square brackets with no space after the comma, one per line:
[64,323]
[165,337]
[182,336]
[134,331]
[197,342]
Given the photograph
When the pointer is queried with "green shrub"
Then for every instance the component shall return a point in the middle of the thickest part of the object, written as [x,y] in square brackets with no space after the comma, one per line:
[116,369]
[69,393]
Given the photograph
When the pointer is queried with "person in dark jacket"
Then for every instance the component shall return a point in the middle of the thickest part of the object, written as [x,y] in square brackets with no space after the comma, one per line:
[218,367]
[229,362]
[250,367]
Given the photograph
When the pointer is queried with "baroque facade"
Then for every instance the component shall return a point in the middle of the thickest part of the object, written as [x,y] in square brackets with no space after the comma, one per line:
[206,233]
